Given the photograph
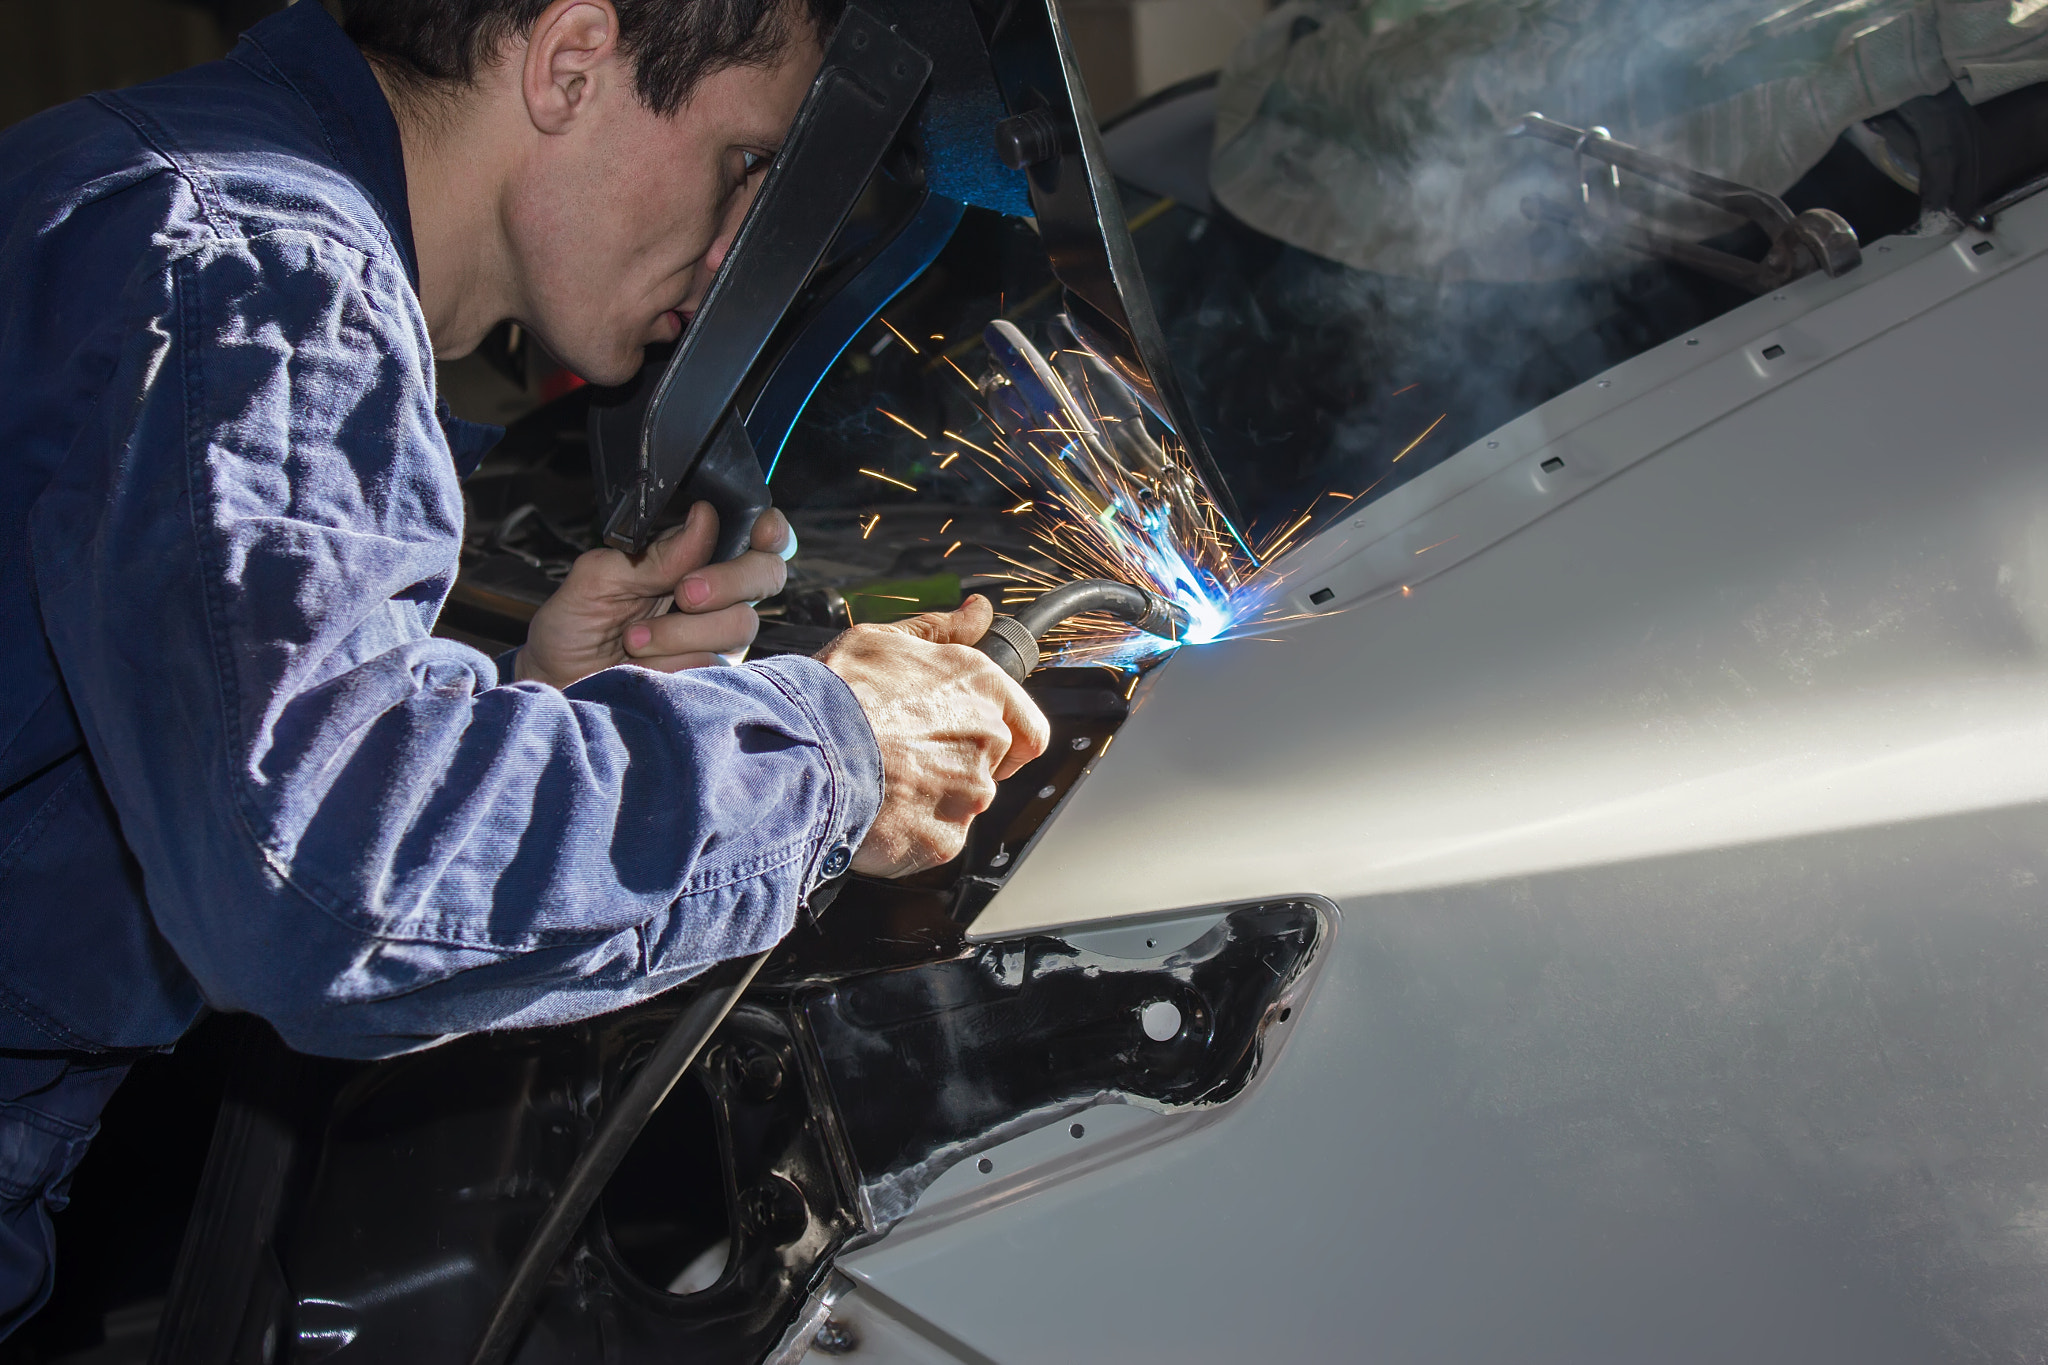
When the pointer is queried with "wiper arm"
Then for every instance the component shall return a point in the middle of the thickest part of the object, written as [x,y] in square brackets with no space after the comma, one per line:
[1816,239]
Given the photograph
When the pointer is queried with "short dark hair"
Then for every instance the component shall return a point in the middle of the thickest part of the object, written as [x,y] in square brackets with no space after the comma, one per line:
[673,44]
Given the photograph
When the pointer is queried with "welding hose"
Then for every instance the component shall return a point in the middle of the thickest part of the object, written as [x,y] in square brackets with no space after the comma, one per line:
[615,1133]
[1012,641]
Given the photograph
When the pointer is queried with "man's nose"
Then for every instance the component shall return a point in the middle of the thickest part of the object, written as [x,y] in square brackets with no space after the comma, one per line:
[735,214]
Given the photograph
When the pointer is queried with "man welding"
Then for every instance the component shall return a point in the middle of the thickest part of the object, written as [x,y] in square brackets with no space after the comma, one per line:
[236,770]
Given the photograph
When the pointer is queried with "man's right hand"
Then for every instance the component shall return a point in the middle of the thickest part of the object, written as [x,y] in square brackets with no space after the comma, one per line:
[949,723]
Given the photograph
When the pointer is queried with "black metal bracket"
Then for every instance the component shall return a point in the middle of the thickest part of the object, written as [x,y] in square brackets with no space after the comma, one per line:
[1030,1030]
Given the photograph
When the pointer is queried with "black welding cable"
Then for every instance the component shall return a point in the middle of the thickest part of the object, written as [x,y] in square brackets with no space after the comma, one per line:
[1012,642]
[621,1124]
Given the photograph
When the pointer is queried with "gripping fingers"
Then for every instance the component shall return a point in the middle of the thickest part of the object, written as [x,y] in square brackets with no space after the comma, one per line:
[964,801]
[1026,730]
[691,635]
[676,553]
[938,843]
[774,534]
[753,576]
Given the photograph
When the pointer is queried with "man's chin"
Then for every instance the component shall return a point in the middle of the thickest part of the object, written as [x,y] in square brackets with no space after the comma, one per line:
[612,370]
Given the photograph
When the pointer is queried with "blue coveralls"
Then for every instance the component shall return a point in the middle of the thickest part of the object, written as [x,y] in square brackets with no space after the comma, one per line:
[236,771]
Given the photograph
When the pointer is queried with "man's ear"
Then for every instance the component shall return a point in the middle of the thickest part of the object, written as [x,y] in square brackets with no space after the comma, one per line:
[569,53]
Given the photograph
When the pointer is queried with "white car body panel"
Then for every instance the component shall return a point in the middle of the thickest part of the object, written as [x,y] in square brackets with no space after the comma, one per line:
[1751,605]
[1687,820]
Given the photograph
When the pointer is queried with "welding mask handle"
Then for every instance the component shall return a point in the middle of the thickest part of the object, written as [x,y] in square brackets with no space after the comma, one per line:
[729,478]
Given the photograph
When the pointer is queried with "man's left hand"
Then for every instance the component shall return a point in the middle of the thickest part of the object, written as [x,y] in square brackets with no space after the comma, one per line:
[615,608]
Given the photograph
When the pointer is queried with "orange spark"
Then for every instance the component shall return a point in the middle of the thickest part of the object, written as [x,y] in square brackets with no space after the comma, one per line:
[918,434]
[954,435]
[899,336]
[1420,439]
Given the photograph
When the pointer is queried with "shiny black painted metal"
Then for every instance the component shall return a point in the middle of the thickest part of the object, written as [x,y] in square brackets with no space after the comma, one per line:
[624,1120]
[1027,1032]
[839,1092]
[435,1167]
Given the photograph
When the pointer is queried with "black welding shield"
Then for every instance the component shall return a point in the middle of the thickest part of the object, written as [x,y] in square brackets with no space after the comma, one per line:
[920,109]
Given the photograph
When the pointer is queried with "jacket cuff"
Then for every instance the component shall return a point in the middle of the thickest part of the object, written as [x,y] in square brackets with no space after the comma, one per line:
[852,758]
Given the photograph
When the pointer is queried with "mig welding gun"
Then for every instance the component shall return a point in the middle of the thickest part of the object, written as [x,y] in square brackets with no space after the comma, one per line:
[1012,642]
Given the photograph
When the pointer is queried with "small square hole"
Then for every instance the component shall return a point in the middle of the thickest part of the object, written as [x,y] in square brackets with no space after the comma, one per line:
[1552,465]
[1322,595]
[1981,248]
[1773,352]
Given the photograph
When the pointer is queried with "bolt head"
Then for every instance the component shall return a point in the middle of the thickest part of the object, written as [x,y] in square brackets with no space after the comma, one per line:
[835,1338]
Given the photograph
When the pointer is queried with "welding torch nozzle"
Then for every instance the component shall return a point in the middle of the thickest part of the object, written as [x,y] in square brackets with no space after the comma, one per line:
[1012,641]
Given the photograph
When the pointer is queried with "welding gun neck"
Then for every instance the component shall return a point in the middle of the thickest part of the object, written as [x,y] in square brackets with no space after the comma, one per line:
[1012,642]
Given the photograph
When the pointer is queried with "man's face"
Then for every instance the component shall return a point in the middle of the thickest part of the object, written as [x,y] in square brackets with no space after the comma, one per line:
[617,228]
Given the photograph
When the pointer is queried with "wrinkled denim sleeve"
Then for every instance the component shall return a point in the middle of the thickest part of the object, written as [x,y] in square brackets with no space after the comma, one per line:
[346,825]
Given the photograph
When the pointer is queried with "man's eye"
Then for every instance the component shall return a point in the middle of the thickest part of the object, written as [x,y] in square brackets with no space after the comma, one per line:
[751,162]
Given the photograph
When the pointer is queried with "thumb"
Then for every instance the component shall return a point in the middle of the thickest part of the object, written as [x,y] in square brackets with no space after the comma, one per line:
[684,549]
[963,625]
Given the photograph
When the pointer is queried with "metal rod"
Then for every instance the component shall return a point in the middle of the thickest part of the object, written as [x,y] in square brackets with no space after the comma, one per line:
[1766,210]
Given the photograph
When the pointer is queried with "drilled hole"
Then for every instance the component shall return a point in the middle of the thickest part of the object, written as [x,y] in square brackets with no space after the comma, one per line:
[985,1166]
[1078,1131]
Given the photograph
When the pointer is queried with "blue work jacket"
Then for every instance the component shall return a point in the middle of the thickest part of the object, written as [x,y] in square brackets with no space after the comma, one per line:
[236,769]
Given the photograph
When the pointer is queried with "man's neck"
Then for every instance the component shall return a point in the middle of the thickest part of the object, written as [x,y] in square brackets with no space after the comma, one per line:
[454,187]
